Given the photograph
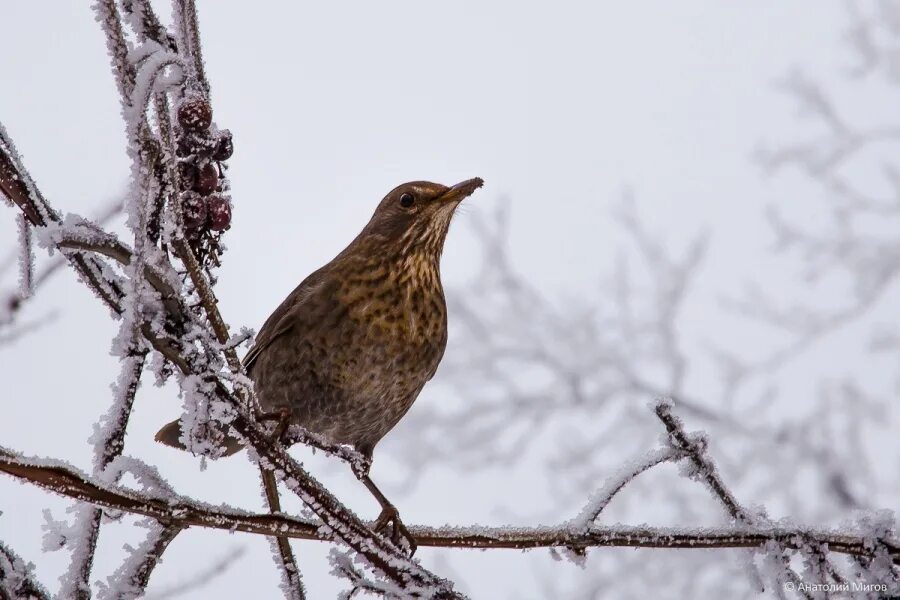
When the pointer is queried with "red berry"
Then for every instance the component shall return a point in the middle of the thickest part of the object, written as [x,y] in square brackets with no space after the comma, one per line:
[194,210]
[219,210]
[224,146]
[194,113]
[207,179]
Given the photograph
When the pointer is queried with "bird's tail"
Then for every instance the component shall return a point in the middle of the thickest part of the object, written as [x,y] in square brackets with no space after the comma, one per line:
[170,435]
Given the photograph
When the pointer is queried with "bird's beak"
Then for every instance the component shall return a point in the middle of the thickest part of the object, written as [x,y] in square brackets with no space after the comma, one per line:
[462,190]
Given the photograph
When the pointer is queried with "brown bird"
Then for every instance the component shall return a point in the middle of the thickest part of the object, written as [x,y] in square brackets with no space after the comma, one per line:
[348,351]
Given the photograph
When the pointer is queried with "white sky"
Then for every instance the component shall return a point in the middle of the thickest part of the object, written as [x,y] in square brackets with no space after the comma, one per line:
[558,106]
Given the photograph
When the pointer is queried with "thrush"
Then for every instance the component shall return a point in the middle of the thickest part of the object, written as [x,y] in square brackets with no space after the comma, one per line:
[347,353]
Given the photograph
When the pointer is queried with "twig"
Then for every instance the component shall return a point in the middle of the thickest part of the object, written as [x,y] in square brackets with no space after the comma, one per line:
[17,580]
[14,298]
[185,512]
[612,486]
[292,580]
[108,15]
[296,434]
[146,24]
[131,578]
[17,185]
[189,38]
[705,469]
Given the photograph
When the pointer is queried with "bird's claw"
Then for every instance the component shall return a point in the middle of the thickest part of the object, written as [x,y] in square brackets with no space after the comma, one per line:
[400,535]
[282,417]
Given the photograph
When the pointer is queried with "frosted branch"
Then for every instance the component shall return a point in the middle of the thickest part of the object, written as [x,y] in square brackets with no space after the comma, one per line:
[705,470]
[69,482]
[615,483]
[17,581]
[17,185]
[189,41]
[131,578]
[146,23]
[117,47]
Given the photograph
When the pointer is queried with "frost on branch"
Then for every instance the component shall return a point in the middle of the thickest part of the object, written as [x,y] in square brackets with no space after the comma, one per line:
[204,417]
[17,580]
[342,565]
[614,483]
[130,580]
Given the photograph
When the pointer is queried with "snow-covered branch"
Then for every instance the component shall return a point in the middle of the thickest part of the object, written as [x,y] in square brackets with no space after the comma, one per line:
[17,581]
[704,469]
[131,578]
[184,512]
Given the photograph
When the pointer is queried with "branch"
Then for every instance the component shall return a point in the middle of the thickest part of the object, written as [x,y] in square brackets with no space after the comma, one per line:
[14,299]
[146,24]
[131,578]
[189,40]
[696,452]
[292,580]
[185,512]
[705,470]
[17,185]
[614,484]
[17,580]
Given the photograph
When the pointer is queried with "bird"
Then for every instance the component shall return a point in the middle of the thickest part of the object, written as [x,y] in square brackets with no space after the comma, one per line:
[347,353]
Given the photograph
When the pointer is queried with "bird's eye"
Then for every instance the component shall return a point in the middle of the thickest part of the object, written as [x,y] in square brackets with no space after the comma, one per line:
[406,200]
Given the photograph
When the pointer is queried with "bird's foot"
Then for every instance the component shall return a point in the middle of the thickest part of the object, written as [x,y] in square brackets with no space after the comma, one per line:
[282,416]
[389,519]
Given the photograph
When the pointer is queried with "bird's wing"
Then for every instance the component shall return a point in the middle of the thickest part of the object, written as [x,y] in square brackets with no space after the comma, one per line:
[283,319]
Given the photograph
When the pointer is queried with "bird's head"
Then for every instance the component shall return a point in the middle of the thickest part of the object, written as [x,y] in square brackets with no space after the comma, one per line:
[416,215]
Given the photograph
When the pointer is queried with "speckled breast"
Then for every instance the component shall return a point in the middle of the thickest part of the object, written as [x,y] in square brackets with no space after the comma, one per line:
[397,330]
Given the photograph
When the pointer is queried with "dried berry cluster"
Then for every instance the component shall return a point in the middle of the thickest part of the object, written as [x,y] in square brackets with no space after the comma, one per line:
[205,205]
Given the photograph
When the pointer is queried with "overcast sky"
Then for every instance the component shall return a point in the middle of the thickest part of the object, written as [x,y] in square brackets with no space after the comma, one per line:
[557,106]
